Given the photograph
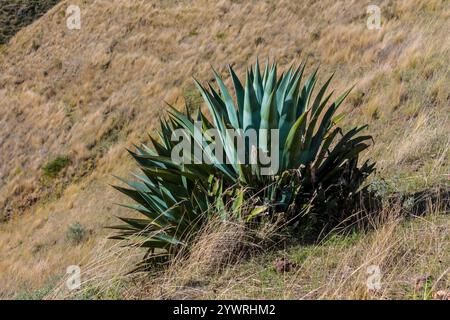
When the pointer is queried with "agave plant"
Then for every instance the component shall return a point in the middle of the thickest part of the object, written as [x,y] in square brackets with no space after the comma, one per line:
[317,176]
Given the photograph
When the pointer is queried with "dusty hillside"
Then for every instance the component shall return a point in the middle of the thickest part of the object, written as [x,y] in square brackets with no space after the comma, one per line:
[72,100]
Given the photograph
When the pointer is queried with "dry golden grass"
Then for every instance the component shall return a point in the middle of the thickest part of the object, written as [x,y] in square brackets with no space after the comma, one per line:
[106,271]
[405,251]
[413,256]
[88,94]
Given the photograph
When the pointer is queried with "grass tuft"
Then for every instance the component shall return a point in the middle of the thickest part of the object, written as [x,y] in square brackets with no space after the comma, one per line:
[52,168]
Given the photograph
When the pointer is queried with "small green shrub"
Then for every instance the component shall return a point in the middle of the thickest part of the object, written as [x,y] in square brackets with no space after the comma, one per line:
[38,294]
[193,33]
[220,35]
[408,204]
[52,168]
[380,188]
[75,233]
[41,293]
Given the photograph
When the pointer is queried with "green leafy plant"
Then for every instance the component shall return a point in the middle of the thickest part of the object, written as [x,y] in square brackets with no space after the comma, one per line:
[318,180]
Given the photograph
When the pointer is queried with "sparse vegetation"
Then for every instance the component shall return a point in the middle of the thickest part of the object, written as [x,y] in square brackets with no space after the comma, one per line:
[193,33]
[220,35]
[52,168]
[38,294]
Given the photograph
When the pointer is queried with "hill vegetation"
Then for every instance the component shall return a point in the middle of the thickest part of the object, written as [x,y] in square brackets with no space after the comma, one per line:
[73,100]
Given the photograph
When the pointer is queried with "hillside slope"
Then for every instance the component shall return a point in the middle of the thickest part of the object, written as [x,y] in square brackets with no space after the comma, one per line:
[16,14]
[71,101]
